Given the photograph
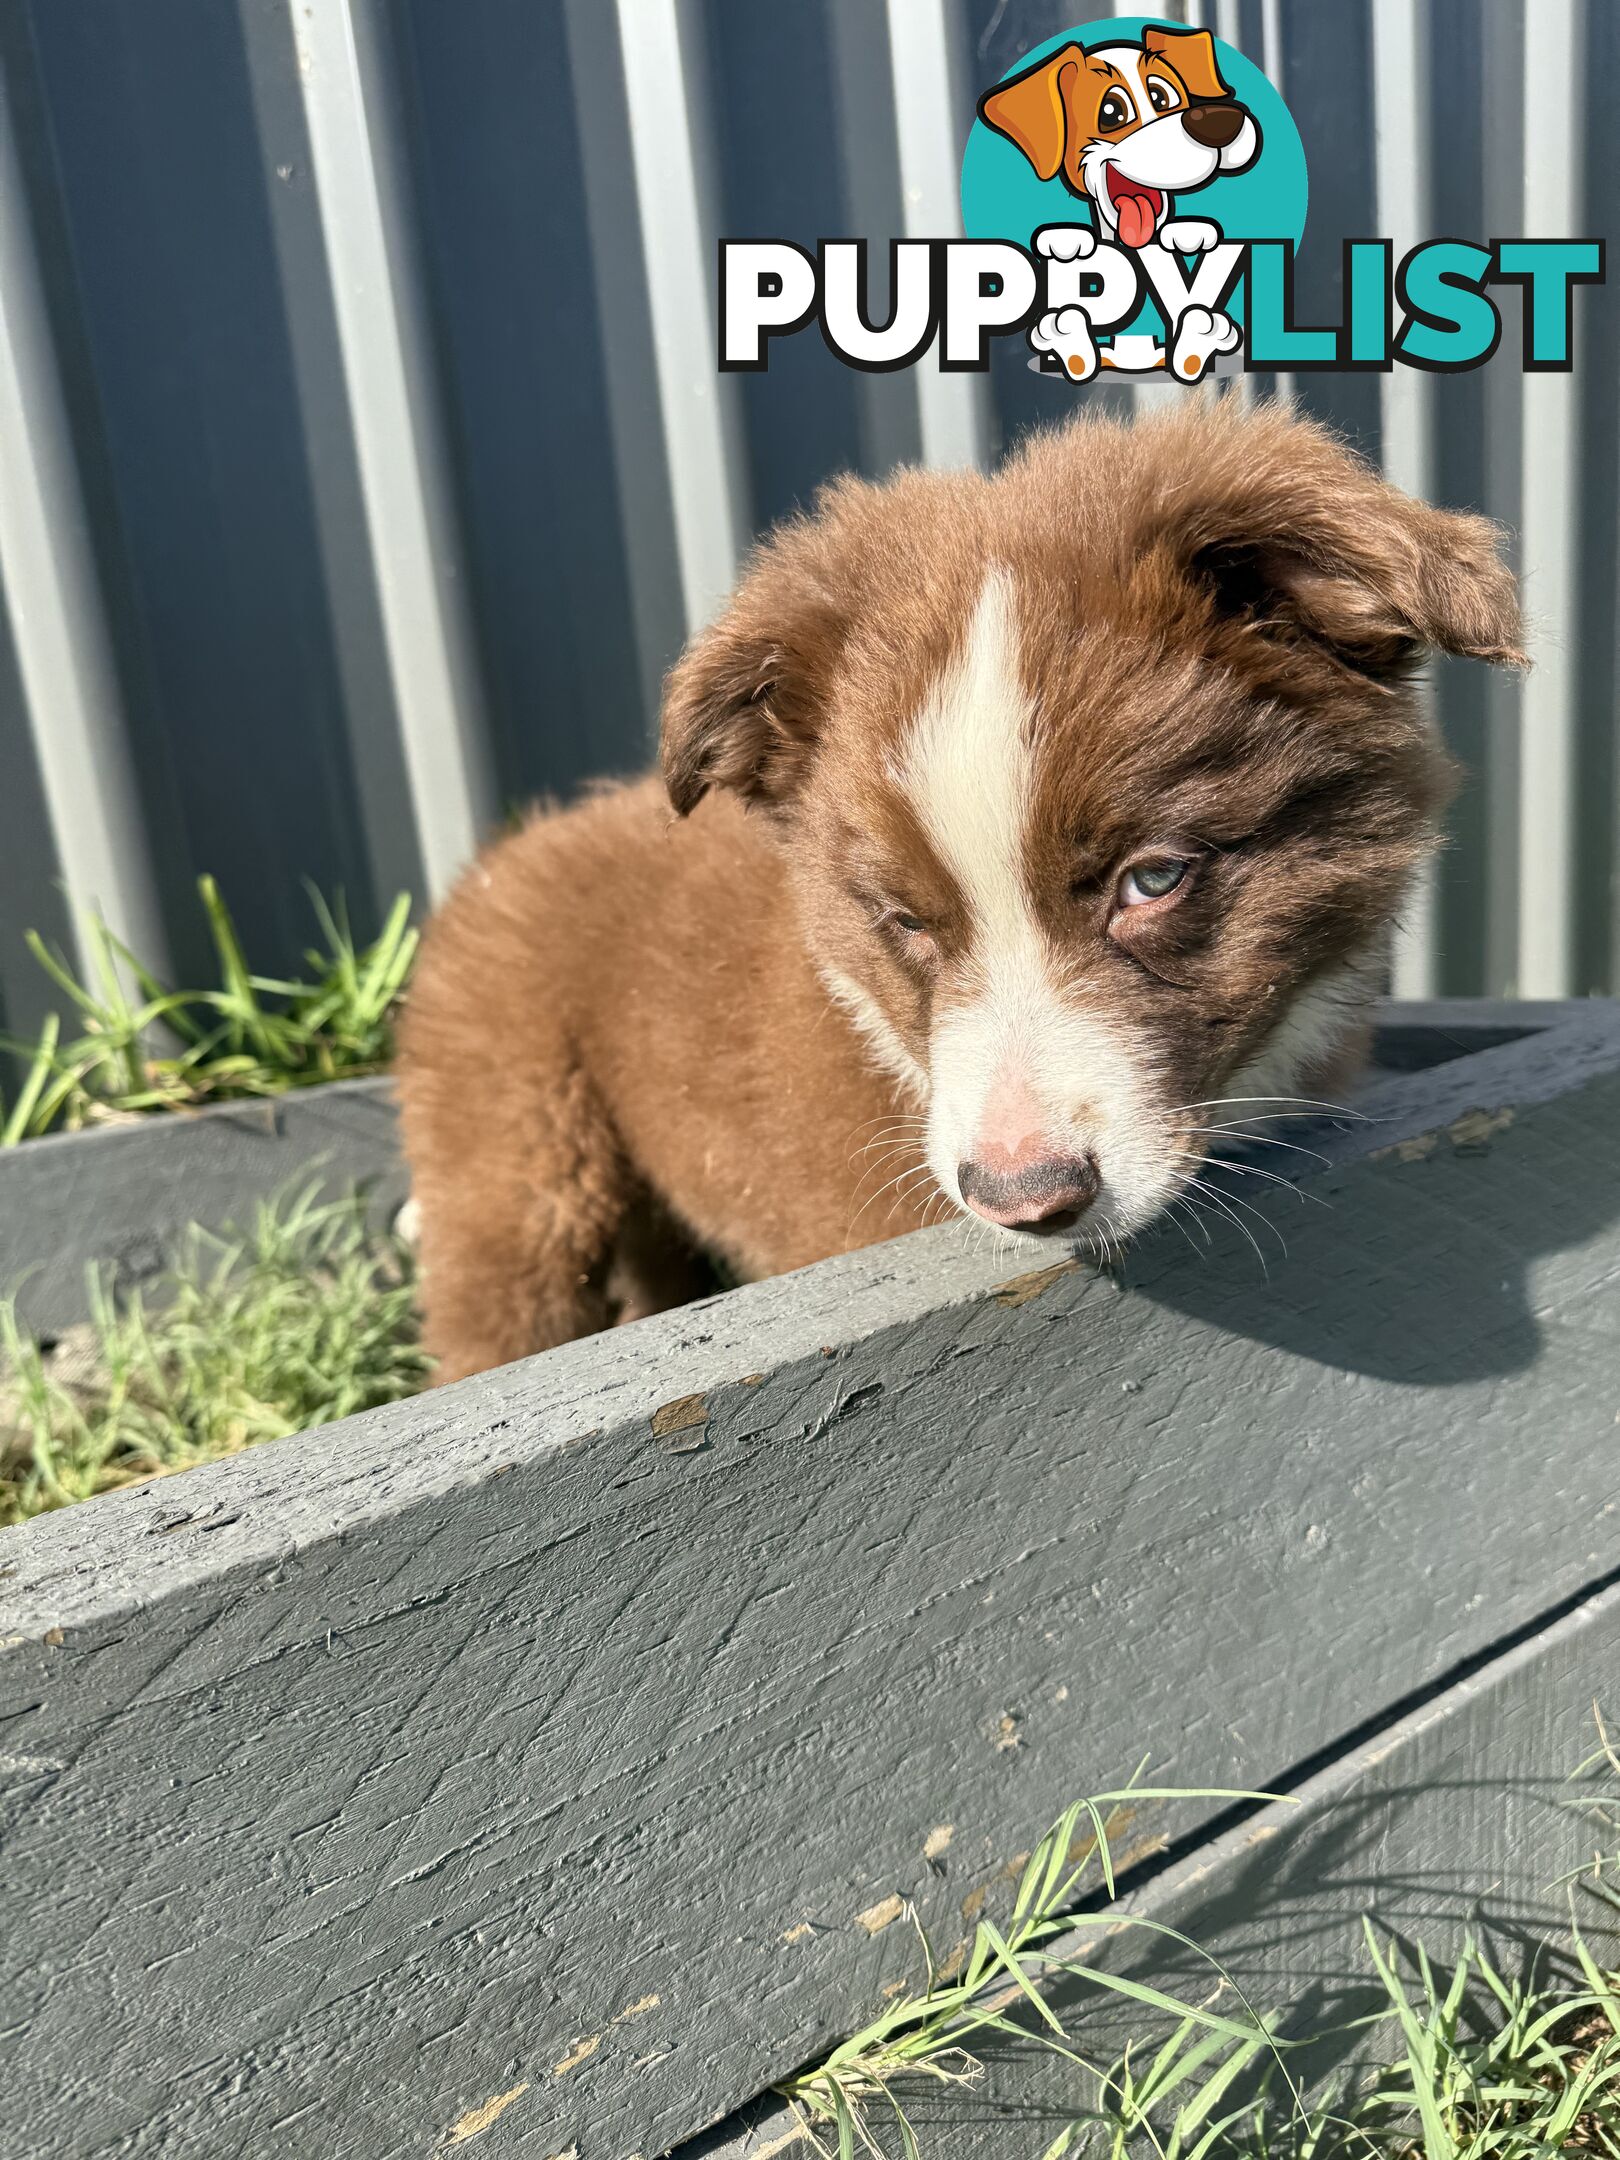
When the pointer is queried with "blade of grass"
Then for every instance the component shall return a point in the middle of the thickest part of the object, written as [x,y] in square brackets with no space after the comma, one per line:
[33,1086]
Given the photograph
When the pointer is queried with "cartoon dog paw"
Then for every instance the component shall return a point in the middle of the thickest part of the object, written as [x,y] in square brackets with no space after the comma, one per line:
[1201,333]
[1066,334]
[1189,236]
[1066,243]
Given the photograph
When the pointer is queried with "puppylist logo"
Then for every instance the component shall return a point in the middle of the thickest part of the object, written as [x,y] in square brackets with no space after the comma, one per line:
[1133,194]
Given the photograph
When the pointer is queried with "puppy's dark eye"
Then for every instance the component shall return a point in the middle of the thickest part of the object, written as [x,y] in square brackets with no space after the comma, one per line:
[1113,112]
[1159,96]
[1156,879]
[912,925]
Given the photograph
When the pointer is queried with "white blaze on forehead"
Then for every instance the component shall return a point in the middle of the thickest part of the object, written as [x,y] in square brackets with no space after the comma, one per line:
[968,766]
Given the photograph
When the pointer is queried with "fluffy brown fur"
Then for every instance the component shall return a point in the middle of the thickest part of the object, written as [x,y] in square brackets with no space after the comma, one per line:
[1217,620]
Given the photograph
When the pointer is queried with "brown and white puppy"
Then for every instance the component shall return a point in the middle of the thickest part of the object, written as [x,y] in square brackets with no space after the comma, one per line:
[1020,822]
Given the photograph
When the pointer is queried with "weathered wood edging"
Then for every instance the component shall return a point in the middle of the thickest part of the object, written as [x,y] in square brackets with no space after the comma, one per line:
[121,1196]
[569,1738]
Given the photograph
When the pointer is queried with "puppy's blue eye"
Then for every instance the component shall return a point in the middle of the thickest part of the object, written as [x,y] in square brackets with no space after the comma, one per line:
[910,924]
[1154,880]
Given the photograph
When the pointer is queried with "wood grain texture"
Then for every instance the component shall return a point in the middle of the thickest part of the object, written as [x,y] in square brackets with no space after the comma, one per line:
[1454,1820]
[122,1195]
[500,1741]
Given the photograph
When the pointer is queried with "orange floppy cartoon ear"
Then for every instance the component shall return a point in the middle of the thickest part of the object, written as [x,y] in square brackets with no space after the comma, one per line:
[1029,110]
[1192,54]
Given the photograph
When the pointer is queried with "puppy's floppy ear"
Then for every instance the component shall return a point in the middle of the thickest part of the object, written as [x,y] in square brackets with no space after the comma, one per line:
[1192,54]
[1030,110]
[743,704]
[1290,538]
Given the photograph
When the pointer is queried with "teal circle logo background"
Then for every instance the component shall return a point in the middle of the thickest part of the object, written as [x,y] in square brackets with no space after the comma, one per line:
[1003,198]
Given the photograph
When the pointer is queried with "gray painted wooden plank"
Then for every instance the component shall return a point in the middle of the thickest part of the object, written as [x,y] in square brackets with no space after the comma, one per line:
[121,1195]
[384,1770]
[1455,1819]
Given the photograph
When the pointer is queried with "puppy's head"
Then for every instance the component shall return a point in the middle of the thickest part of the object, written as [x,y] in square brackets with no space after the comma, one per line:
[1127,126]
[1098,781]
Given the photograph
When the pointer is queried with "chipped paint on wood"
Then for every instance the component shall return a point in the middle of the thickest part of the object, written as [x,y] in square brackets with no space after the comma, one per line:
[478,2119]
[1144,1848]
[1477,1128]
[1418,1147]
[682,1415]
[1469,1134]
[1022,1289]
[881,1915]
[582,2051]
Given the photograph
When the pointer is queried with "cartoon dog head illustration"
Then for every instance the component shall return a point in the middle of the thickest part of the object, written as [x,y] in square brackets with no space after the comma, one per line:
[1127,126]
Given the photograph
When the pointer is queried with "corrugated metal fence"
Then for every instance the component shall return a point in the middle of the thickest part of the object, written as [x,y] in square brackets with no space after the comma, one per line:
[363,461]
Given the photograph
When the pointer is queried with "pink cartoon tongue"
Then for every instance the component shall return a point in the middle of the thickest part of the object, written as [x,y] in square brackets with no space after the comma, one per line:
[1135,214]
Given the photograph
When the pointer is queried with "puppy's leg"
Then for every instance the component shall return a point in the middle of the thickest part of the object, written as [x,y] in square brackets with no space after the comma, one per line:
[517,1227]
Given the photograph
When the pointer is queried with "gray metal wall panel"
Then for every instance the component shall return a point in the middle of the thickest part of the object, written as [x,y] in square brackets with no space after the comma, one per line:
[1328,85]
[1597,677]
[773,74]
[30,896]
[494,130]
[1462,478]
[28,114]
[164,197]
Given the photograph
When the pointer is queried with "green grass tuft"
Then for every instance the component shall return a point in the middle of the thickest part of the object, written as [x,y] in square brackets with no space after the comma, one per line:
[1478,2066]
[1481,2068]
[304,1317]
[130,1044]
[996,1988]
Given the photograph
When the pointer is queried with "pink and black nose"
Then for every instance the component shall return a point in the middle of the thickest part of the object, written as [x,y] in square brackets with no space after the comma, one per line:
[1035,1192]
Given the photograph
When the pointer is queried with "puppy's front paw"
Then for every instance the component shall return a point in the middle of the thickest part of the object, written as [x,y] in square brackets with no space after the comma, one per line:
[1066,243]
[1201,333]
[1066,333]
[1189,236]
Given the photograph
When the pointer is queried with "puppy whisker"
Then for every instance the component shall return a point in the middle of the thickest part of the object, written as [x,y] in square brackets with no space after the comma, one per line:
[1263,1140]
[888,1156]
[1272,1177]
[1294,1103]
[1222,1203]
[873,1198]
[1171,1215]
